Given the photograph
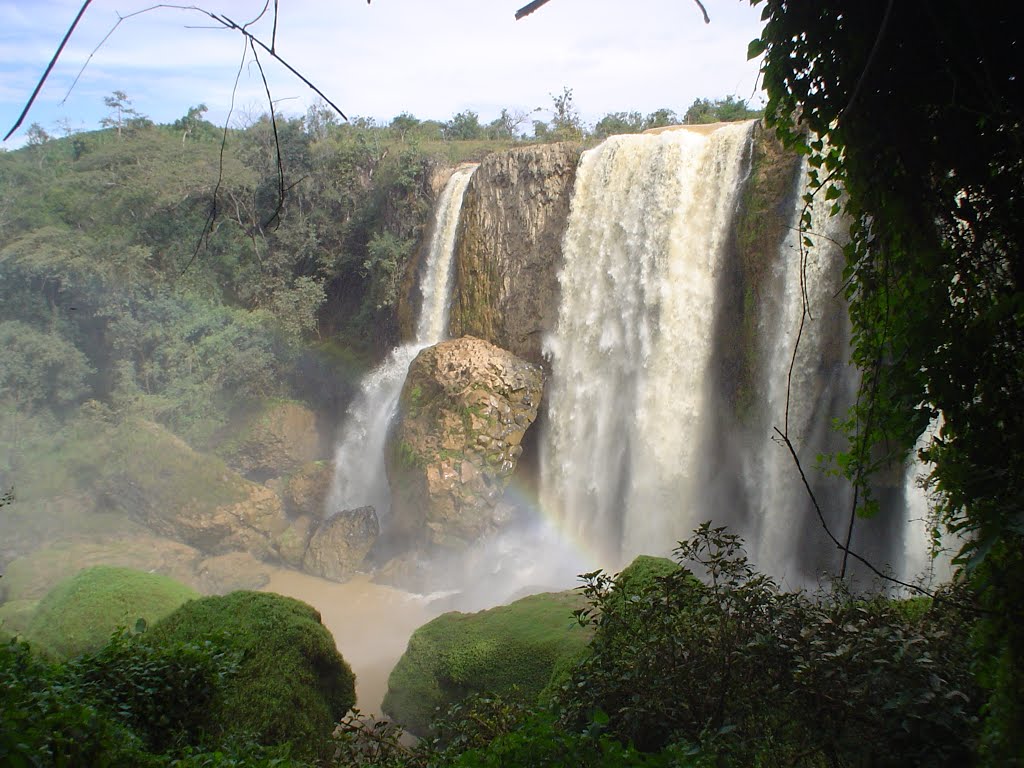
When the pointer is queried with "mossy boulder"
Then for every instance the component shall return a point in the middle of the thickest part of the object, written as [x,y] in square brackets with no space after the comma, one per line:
[292,684]
[79,614]
[305,490]
[159,480]
[512,650]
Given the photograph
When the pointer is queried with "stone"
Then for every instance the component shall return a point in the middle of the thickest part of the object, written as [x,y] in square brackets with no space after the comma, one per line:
[221,574]
[456,440]
[179,493]
[305,491]
[275,440]
[514,216]
[340,544]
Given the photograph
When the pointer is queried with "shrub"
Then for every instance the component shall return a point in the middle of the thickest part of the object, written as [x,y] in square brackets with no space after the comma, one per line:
[511,650]
[291,684]
[79,614]
[760,677]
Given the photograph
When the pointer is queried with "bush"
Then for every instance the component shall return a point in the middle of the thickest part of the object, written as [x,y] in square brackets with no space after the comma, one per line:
[760,677]
[511,650]
[45,722]
[79,614]
[291,684]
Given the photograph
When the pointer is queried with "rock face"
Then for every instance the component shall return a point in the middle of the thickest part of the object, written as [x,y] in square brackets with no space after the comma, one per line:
[158,480]
[513,219]
[273,441]
[464,409]
[341,543]
[305,490]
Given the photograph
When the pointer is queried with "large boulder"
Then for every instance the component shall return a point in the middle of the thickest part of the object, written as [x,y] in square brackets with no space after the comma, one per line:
[513,219]
[291,684]
[79,614]
[511,650]
[464,410]
[305,490]
[341,543]
[272,441]
[157,479]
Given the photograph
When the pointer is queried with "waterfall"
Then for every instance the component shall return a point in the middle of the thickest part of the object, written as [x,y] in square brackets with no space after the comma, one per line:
[360,478]
[806,385]
[647,232]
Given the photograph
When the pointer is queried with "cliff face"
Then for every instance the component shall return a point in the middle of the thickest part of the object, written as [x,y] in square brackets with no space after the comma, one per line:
[514,216]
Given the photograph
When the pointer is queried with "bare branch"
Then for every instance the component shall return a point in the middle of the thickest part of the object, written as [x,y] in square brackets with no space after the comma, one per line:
[526,10]
[821,518]
[49,68]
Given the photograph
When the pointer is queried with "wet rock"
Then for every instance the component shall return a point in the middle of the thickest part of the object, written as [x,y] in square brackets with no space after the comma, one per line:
[514,217]
[305,491]
[340,544]
[464,410]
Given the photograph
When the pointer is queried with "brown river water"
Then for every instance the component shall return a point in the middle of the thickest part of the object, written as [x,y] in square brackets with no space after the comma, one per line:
[371,624]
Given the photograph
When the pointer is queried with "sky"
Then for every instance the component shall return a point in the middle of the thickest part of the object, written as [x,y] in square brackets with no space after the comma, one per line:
[431,58]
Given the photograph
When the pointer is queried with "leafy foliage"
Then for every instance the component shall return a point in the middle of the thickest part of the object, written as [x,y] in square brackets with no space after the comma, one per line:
[925,142]
[769,678]
[719,111]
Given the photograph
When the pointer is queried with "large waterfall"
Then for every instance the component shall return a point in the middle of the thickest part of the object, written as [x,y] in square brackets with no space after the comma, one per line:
[647,232]
[360,478]
[644,439]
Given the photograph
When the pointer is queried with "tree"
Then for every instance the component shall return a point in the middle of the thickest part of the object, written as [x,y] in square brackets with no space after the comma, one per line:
[121,111]
[463,127]
[619,122]
[566,124]
[920,145]
[191,121]
[719,111]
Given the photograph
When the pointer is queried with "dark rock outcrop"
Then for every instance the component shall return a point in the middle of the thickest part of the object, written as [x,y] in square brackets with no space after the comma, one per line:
[513,219]
[340,544]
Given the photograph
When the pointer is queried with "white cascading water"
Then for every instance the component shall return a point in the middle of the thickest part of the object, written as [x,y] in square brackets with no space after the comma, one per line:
[647,231]
[359,471]
[798,390]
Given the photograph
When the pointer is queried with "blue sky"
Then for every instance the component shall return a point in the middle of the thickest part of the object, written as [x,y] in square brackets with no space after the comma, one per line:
[432,58]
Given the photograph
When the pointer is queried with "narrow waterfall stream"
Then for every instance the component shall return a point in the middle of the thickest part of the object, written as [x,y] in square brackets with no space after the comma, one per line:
[359,474]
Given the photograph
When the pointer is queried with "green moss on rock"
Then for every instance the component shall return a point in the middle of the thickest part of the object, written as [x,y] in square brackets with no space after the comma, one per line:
[292,684]
[79,614]
[511,650]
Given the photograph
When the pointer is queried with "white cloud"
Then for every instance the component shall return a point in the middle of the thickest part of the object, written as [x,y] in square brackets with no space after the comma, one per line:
[429,58]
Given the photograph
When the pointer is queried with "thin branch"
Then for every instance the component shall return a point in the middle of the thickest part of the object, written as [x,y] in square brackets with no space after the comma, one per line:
[223,21]
[211,217]
[526,10]
[49,68]
[821,518]
[277,142]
